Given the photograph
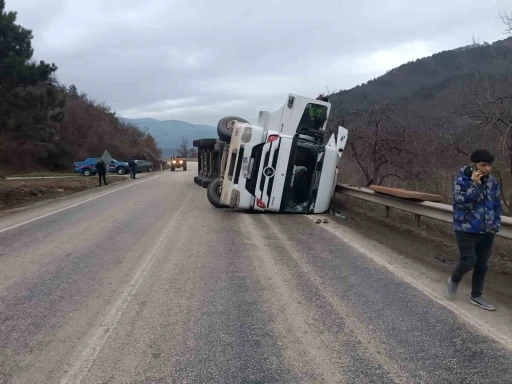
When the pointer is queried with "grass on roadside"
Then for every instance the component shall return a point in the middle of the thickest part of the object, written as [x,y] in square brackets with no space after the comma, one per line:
[19,193]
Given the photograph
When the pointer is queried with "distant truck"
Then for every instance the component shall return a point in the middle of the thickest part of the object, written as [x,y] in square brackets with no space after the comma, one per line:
[178,162]
[282,164]
[88,167]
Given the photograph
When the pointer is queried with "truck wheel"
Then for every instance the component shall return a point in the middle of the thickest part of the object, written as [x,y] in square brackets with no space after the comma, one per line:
[205,183]
[87,172]
[207,143]
[224,129]
[213,193]
[121,171]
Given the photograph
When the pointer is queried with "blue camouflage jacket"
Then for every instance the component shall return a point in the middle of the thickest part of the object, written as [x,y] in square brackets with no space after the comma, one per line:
[476,207]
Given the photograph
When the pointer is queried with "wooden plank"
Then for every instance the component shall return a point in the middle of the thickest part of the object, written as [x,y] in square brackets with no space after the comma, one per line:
[404,194]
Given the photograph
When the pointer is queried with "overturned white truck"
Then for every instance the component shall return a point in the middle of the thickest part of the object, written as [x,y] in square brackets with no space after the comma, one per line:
[282,164]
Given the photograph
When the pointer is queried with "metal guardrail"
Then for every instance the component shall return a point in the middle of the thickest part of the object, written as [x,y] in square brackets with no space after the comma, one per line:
[441,212]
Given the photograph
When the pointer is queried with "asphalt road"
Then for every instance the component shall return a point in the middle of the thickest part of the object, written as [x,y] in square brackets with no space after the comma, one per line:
[145,282]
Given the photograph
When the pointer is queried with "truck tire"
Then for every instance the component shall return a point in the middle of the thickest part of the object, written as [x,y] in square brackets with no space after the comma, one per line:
[87,172]
[121,171]
[213,193]
[207,143]
[224,131]
[205,182]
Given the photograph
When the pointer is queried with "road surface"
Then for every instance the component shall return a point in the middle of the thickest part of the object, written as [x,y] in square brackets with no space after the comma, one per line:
[145,282]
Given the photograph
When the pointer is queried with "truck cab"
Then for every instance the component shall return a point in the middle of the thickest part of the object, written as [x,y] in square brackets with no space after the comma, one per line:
[282,164]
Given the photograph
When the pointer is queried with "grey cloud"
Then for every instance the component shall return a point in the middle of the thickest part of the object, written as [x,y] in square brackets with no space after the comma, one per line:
[198,61]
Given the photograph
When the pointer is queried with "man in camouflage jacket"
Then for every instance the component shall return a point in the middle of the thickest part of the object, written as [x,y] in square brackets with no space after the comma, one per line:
[476,220]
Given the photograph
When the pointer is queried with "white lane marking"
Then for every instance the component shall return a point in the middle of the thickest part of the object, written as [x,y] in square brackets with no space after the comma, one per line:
[99,336]
[74,205]
[461,313]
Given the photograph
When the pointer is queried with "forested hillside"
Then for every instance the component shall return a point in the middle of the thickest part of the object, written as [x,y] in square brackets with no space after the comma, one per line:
[416,125]
[423,78]
[46,125]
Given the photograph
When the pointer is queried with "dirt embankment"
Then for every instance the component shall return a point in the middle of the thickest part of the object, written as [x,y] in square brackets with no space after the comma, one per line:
[19,193]
[432,243]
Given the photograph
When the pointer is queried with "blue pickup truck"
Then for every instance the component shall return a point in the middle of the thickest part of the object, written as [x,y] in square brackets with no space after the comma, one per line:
[88,167]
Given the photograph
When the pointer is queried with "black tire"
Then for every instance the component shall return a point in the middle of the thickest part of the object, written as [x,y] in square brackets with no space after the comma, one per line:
[205,183]
[213,193]
[150,169]
[224,131]
[121,171]
[87,172]
[207,143]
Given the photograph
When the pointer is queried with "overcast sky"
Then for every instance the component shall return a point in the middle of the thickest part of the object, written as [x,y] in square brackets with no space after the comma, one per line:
[201,60]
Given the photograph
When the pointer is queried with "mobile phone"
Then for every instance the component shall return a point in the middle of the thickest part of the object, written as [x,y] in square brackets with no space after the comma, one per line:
[471,169]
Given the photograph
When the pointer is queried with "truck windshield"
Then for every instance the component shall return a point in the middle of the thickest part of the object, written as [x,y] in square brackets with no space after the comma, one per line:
[300,178]
[314,117]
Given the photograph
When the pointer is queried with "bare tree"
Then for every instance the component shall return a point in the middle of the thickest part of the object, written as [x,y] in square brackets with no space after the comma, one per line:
[382,144]
[507,21]
[183,151]
[488,103]
[192,153]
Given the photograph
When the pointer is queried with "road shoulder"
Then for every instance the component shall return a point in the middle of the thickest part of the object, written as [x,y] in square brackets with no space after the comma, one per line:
[417,257]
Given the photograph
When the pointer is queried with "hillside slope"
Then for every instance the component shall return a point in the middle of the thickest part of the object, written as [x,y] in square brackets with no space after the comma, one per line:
[423,78]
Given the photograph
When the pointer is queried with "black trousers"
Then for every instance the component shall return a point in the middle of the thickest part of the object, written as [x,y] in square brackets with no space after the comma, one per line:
[100,176]
[475,251]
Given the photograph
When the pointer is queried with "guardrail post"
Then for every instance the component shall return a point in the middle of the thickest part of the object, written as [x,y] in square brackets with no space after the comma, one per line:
[388,210]
[418,220]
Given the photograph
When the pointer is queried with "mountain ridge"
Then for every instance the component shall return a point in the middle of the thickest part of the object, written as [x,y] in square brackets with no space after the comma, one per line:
[440,70]
[169,134]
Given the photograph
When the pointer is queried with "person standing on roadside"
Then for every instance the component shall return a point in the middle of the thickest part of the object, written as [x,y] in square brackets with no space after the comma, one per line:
[476,220]
[133,168]
[101,168]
